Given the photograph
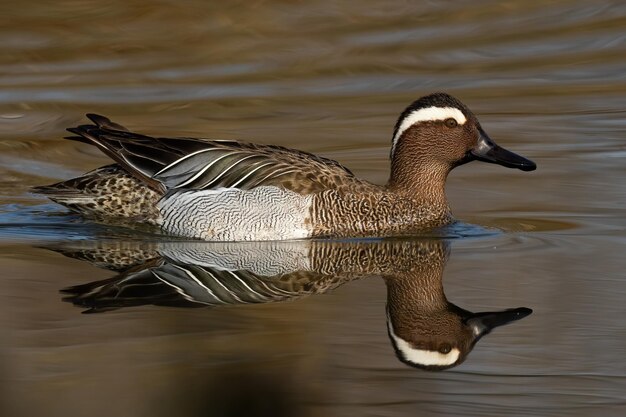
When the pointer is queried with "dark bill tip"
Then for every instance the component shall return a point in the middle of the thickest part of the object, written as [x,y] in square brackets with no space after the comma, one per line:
[485,322]
[501,156]
[488,151]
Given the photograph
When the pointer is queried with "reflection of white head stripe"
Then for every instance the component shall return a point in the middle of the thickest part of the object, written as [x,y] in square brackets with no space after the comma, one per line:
[426,115]
[422,357]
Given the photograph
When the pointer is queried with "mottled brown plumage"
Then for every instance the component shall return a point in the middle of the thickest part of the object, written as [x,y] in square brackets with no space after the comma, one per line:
[106,192]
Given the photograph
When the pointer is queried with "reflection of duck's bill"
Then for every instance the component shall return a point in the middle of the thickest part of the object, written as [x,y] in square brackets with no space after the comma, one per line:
[483,323]
[488,151]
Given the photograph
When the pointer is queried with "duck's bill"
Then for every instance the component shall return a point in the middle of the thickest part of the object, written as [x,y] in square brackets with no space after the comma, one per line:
[488,151]
[483,323]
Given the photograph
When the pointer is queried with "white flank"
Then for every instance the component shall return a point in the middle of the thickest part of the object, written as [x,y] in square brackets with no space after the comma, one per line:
[429,114]
[231,214]
[422,357]
[261,258]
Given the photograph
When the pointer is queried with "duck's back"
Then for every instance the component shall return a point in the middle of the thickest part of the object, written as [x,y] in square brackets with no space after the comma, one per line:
[177,182]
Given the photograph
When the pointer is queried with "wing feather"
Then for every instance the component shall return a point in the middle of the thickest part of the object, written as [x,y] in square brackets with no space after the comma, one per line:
[188,163]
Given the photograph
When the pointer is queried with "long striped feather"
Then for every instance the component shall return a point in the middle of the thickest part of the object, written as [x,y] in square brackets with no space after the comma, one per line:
[188,163]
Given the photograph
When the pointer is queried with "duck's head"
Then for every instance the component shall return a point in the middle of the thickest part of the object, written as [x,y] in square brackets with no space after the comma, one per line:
[443,339]
[440,132]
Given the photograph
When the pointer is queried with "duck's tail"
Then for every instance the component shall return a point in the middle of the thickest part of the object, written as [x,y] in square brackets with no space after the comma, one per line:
[130,150]
[105,192]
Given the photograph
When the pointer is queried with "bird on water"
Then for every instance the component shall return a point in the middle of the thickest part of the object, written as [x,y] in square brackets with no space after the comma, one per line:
[226,190]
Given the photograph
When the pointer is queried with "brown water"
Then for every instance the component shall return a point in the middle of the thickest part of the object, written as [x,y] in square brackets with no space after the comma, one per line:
[546,80]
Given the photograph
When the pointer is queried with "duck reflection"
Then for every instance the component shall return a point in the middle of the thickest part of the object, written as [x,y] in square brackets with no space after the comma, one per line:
[426,330]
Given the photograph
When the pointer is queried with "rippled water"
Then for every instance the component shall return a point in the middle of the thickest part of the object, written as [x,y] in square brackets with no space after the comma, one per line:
[546,80]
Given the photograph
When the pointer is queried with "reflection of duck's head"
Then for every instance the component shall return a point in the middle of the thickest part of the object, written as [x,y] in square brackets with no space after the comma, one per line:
[442,339]
[426,330]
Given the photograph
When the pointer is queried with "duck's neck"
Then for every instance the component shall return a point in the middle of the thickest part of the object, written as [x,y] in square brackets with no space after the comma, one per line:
[419,178]
[417,295]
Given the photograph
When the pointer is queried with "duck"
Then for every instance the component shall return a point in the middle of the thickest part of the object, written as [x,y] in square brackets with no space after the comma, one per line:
[426,330]
[227,190]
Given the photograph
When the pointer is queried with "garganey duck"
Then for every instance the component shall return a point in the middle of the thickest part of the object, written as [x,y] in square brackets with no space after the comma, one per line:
[227,190]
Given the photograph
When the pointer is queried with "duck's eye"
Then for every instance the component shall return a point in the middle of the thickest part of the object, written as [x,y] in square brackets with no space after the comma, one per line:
[451,122]
[444,347]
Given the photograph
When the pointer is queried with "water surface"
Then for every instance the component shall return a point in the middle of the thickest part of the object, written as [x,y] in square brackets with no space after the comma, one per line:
[546,81]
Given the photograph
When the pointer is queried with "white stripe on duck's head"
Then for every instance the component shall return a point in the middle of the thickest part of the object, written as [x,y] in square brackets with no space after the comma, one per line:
[438,129]
[436,342]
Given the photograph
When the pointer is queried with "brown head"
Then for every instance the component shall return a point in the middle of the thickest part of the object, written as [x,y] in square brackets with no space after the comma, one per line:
[442,339]
[437,133]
